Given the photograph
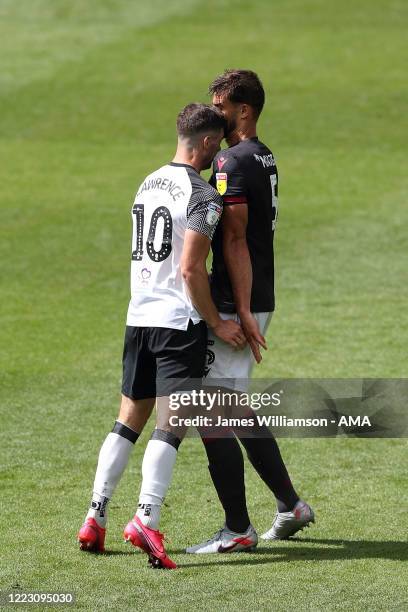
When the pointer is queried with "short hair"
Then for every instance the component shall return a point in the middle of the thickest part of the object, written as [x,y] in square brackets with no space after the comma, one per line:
[240,86]
[197,118]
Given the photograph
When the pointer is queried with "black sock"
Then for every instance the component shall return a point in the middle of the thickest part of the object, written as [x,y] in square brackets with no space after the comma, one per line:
[125,431]
[264,454]
[226,466]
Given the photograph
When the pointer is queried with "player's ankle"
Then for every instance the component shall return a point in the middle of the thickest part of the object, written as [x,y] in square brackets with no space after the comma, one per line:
[99,509]
[149,515]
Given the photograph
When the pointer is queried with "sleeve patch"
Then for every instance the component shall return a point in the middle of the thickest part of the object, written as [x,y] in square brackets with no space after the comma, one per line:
[203,215]
[214,213]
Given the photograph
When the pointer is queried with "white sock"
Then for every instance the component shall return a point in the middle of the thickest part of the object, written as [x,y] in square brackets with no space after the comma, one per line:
[98,509]
[113,458]
[157,470]
[149,514]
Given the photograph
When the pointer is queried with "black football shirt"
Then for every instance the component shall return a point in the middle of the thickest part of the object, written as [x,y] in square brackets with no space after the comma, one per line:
[246,173]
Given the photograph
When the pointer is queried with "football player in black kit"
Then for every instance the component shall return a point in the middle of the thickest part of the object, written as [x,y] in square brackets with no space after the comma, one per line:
[242,286]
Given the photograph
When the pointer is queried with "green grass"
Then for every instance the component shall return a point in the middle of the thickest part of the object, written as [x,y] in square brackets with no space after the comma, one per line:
[89,92]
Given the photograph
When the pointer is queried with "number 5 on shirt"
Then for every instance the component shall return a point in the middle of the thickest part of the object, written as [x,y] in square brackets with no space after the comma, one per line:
[274,182]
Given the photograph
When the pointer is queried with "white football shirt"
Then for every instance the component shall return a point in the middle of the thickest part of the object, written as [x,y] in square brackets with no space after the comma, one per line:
[169,201]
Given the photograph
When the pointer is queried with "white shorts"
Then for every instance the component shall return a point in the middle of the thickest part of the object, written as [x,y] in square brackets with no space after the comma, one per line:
[225,362]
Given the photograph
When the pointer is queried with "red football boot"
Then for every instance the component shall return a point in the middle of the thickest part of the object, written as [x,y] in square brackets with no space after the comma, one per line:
[91,537]
[150,541]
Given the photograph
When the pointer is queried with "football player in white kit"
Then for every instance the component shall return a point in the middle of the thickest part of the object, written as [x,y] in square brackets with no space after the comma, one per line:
[175,214]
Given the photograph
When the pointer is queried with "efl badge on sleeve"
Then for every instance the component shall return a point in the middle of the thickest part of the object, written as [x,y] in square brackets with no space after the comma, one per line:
[221,178]
[214,213]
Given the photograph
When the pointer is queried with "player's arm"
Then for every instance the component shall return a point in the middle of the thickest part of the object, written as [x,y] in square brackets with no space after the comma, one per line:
[193,268]
[238,262]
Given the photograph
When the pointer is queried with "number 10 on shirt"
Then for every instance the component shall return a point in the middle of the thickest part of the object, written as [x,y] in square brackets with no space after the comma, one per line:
[162,212]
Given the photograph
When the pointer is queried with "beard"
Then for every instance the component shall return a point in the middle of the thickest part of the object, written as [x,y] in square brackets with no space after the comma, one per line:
[231,126]
[207,163]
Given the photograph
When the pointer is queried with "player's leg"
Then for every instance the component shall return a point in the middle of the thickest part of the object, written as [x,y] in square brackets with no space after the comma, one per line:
[225,458]
[157,467]
[263,452]
[113,459]
[180,359]
[231,491]
[117,446]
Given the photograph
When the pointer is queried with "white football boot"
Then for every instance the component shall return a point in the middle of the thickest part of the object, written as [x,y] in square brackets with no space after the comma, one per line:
[226,541]
[286,524]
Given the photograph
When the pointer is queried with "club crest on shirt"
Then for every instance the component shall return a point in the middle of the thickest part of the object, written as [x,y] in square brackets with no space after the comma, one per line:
[214,213]
[144,276]
[222,179]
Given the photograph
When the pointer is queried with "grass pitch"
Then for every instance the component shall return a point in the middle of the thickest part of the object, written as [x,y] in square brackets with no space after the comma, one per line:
[89,92]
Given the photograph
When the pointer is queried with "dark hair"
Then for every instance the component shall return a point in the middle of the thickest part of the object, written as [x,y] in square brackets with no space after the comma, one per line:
[240,86]
[196,118]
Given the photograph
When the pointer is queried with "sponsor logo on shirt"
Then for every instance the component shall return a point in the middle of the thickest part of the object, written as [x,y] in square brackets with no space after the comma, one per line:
[220,162]
[222,179]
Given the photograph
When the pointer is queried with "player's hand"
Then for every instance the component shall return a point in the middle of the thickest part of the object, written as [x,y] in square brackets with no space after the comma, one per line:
[254,337]
[230,332]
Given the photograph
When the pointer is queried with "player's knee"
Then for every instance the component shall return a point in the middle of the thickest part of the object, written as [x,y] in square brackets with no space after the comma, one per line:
[135,413]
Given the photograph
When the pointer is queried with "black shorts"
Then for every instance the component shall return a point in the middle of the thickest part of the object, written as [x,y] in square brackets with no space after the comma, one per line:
[158,361]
